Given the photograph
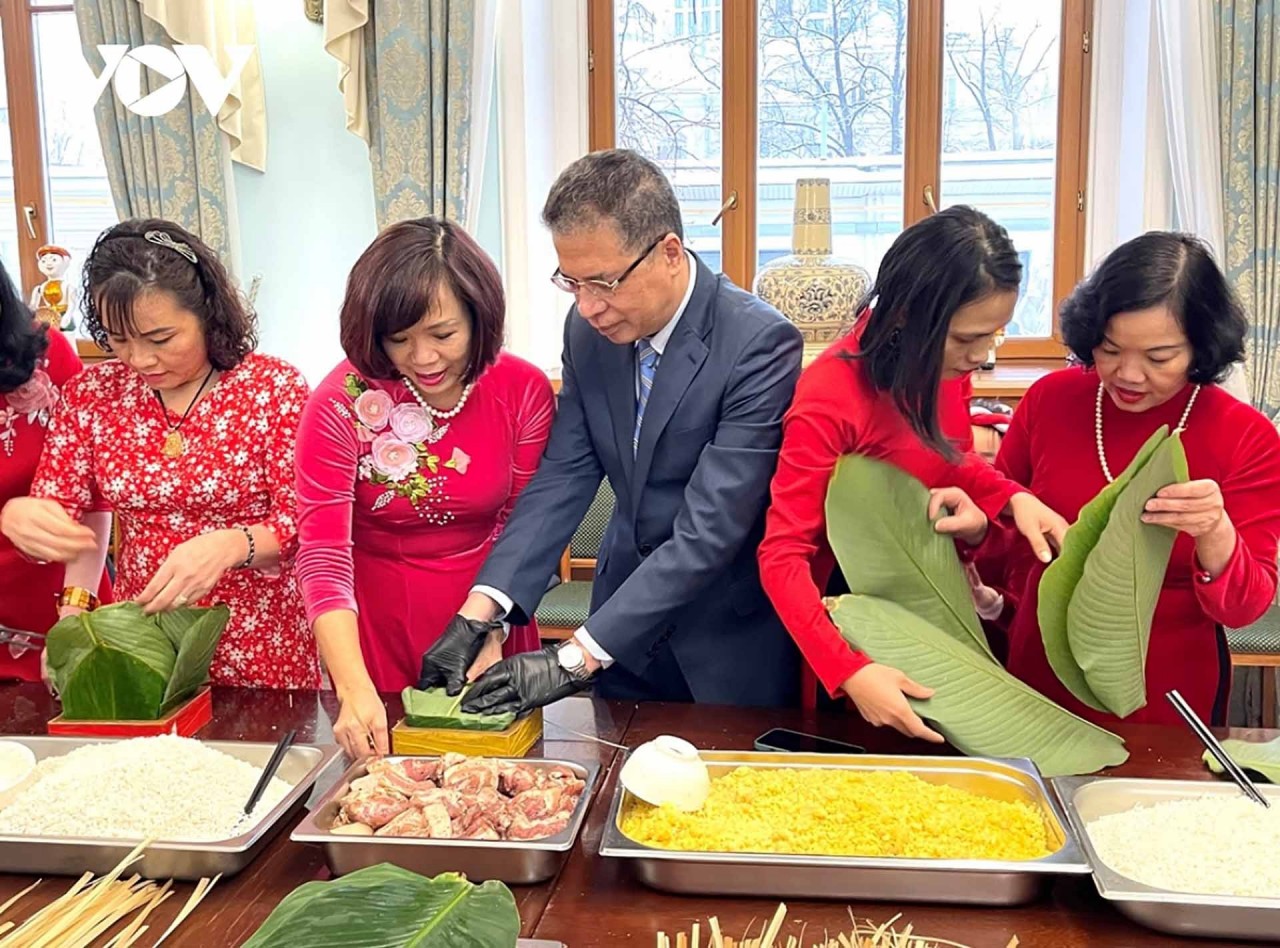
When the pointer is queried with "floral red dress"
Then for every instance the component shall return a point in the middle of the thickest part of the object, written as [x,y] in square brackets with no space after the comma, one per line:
[28,590]
[106,443]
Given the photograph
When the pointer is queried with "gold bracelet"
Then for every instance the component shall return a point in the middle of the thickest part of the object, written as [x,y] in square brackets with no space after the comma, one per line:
[79,597]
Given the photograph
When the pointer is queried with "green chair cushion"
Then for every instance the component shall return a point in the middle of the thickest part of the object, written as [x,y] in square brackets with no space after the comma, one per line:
[565,606]
[1261,637]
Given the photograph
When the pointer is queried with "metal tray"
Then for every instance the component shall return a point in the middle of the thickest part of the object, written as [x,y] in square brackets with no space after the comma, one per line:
[73,855]
[1178,913]
[517,862]
[972,882]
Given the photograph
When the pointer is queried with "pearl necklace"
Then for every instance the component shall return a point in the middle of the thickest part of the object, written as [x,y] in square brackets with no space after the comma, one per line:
[1097,427]
[436,413]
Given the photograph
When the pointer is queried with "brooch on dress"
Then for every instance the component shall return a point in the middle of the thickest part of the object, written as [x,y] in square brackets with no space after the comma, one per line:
[400,439]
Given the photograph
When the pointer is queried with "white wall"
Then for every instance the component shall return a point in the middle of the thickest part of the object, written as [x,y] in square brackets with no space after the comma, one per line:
[303,222]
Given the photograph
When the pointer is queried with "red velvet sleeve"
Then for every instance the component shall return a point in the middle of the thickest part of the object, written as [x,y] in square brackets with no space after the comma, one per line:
[795,530]
[1242,592]
[534,406]
[64,363]
[328,451]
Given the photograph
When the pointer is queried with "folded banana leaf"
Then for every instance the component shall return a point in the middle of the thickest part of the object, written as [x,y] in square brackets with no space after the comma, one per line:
[978,706]
[1109,617]
[385,906]
[911,608]
[1260,757]
[878,527]
[118,664]
[433,708]
[1060,580]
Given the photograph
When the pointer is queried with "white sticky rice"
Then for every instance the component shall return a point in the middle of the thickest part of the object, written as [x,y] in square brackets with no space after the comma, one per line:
[1210,845]
[165,788]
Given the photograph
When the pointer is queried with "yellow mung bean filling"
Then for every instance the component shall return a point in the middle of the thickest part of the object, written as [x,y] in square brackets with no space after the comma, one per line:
[842,813]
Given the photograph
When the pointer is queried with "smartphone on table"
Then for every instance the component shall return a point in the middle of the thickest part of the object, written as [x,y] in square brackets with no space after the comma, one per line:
[784,740]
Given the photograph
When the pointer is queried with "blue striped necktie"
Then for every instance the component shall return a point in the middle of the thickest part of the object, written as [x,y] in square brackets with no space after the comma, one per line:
[647,360]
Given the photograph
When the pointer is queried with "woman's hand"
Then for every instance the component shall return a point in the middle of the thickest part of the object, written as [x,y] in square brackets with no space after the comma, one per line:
[191,570]
[490,655]
[44,531]
[361,727]
[881,693]
[1043,527]
[961,518]
[1196,508]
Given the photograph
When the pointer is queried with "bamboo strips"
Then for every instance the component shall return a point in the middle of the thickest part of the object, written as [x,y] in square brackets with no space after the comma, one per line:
[861,934]
[91,907]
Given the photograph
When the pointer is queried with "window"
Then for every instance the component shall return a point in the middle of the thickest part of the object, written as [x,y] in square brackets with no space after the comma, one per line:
[905,105]
[54,187]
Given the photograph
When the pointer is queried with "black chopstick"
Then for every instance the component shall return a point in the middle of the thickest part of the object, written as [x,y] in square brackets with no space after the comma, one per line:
[1217,750]
[269,771]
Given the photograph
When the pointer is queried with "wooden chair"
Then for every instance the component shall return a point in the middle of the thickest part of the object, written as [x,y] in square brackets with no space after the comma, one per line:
[564,608]
[1258,646]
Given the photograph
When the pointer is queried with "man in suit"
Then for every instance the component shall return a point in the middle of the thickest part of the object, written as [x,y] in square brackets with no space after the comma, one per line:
[674,385]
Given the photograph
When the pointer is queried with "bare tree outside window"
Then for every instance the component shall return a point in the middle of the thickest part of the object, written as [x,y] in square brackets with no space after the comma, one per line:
[831,84]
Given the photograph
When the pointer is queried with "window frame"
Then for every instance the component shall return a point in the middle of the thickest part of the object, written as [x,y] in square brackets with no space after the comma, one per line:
[30,181]
[922,135]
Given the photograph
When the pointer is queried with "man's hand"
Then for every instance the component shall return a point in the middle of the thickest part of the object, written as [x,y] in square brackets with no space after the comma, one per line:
[522,683]
[447,661]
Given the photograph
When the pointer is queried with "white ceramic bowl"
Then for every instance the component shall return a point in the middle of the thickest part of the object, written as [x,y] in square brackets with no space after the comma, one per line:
[16,763]
[667,770]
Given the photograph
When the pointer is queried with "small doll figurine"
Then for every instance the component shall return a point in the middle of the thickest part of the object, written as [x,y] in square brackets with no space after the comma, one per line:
[51,299]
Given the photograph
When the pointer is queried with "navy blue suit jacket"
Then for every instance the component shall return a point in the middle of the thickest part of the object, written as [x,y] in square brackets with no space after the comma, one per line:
[678,560]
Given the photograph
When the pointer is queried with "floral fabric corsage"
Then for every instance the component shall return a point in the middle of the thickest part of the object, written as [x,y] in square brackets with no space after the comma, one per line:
[400,437]
[34,400]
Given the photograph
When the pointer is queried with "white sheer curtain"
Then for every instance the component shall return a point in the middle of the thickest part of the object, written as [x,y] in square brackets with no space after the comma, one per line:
[1155,157]
[542,108]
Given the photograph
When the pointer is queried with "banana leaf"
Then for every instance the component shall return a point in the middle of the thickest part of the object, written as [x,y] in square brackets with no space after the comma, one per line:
[1109,617]
[878,527]
[434,708]
[385,906]
[1059,581]
[119,664]
[196,633]
[1260,758]
[978,706]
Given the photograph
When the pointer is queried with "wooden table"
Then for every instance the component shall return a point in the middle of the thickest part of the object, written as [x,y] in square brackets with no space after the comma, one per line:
[237,906]
[594,902]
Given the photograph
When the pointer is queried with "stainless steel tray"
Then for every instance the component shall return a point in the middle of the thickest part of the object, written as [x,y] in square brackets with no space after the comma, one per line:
[518,862]
[1179,913]
[973,882]
[73,855]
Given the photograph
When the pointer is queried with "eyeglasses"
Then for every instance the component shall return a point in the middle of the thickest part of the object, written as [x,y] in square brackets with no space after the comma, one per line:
[600,289]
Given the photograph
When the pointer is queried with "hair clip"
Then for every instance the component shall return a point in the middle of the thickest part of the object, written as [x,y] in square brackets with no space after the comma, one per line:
[164,240]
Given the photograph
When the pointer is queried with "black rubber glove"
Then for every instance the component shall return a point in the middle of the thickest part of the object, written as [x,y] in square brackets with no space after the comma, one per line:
[447,661]
[521,683]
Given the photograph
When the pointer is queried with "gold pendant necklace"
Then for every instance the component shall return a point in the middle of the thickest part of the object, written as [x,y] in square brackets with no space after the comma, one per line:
[174,444]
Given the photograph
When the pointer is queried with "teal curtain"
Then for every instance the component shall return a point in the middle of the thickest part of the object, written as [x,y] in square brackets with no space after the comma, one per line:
[419,58]
[1249,73]
[171,166]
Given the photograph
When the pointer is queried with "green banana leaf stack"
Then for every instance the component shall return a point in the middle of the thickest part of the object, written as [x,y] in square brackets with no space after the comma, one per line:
[119,664]
[910,607]
[385,906]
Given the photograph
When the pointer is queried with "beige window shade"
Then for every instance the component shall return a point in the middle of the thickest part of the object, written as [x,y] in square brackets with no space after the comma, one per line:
[216,25]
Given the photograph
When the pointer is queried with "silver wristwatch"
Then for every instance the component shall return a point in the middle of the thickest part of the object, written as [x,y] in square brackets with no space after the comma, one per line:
[573,659]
